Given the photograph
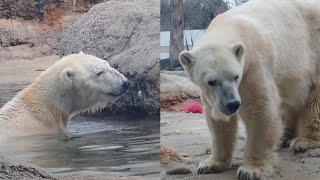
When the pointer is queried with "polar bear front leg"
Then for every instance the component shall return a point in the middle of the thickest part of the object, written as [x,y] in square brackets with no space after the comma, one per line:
[264,131]
[223,135]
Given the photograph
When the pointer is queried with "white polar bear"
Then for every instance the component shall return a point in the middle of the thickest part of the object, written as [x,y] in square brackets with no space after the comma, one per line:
[261,62]
[76,83]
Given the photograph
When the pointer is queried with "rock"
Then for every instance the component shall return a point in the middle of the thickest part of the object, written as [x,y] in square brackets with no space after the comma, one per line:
[166,64]
[177,91]
[177,73]
[10,170]
[173,84]
[168,157]
[27,9]
[162,124]
[126,33]
[313,152]
[178,170]
[84,5]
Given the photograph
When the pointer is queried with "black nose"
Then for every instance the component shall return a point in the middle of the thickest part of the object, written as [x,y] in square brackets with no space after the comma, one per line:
[233,106]
[126,85]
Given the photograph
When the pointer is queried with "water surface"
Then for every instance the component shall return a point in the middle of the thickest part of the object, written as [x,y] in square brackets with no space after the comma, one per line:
[116,145]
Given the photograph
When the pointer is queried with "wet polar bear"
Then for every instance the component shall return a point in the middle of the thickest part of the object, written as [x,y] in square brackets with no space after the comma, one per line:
[76,83]
[259,62]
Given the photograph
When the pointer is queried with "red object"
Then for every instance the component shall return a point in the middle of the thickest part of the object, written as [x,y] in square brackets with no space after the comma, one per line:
[194,107]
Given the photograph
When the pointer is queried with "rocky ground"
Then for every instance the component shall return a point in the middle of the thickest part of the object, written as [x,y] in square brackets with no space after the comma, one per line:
[11,170]
[176,91]
[188,137]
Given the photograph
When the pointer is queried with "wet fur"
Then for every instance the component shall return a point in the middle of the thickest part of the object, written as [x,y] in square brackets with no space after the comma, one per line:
[47,105]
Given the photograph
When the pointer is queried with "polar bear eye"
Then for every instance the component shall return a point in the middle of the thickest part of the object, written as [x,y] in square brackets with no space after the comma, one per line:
[212,83]
[99,73]
[236,78]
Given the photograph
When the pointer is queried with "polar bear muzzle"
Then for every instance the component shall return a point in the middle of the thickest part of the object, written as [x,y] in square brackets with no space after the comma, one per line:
[229,98]
[121,89]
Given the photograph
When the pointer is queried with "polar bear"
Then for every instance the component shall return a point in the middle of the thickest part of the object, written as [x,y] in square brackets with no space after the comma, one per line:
[76,83]
[259,62]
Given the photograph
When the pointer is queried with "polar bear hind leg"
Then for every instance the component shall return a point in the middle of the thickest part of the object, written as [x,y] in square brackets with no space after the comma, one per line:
[308,136]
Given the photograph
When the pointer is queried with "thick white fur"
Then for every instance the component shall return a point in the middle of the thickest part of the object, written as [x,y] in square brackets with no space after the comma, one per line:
[68,87]
[279,80]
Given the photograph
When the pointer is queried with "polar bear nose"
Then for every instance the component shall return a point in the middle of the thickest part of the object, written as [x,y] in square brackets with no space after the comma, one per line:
[233,106]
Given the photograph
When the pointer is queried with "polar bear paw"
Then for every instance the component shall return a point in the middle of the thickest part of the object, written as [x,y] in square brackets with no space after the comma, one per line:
[253,173]
[209,166]
[300,144]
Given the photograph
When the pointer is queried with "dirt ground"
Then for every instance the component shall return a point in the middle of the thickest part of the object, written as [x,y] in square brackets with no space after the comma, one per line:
[187,134]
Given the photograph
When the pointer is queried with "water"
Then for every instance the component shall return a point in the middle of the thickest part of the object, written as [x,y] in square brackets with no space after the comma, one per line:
[116,145]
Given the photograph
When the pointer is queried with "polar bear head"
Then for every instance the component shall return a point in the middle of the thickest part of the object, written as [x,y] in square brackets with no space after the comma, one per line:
[217,71]
[88,82]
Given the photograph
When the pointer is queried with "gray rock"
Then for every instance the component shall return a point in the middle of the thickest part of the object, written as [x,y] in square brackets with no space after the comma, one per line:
[166,64]
[179,170]
[176,83]
[177,91]
[177,73]
[313,152]
[10,170]
[126,33]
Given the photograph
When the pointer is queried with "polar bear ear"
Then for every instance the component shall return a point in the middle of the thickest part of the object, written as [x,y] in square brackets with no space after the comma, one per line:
[66,76]
[186,60]
[238,50]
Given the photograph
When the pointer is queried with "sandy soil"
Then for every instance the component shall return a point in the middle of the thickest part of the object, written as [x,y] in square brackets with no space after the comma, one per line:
[188,135]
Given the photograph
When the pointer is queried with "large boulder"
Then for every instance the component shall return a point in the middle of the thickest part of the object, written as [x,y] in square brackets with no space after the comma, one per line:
[126,33]
[177,91]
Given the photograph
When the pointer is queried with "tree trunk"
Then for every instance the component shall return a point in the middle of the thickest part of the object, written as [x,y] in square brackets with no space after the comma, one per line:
[176,32]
